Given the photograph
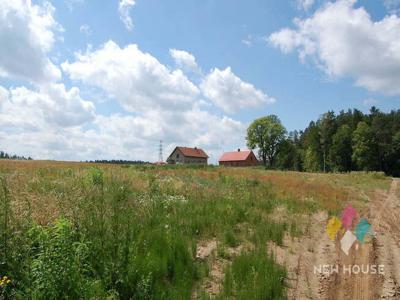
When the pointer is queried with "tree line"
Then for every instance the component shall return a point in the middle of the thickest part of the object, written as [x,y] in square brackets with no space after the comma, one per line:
[4,155]
[348,141]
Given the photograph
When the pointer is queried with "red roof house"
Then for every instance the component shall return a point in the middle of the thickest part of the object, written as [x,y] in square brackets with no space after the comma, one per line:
[238,159]
[186,155]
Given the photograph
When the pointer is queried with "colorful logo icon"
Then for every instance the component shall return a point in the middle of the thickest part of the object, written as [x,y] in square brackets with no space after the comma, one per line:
[336,225]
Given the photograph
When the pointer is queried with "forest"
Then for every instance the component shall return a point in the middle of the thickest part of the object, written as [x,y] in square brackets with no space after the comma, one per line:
[348,141]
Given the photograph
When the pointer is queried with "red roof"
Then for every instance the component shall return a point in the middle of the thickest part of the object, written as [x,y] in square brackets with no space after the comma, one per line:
[235,155]
[192,152]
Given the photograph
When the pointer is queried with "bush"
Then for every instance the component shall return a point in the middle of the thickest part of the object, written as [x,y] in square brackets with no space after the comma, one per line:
[59,266]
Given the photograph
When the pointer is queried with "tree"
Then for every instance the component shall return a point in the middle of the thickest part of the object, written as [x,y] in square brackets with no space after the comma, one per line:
[287,156]
[365,154]
[327,127]
[395,155]
[311,160]
[340,151]
[266,134]
[311,145]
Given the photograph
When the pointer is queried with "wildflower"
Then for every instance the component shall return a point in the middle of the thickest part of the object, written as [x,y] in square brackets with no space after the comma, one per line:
[4,281]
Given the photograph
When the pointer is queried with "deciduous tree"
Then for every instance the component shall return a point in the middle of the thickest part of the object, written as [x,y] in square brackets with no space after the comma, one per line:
[266,134]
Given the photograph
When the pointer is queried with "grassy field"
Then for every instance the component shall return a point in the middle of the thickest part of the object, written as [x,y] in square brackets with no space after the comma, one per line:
[75,230]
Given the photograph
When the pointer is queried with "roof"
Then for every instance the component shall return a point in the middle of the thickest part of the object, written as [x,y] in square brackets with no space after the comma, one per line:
[192,152]
[235,155]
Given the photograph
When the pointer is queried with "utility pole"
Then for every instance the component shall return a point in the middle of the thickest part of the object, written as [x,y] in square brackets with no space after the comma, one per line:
[160,152]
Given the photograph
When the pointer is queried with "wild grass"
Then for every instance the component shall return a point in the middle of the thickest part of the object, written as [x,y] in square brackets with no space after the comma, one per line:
[74,230]
[254,275]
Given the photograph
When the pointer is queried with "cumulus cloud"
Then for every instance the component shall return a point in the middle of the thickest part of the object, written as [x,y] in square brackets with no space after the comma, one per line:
[136,79]
[124,9]
[166,105]
[344,41]
[128,137]
[26,36]
[193,127]
[53,106]
[229,92]
[184,59]
[48,120]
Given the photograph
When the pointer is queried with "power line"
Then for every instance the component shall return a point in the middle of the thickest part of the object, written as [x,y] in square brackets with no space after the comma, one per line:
[160,152]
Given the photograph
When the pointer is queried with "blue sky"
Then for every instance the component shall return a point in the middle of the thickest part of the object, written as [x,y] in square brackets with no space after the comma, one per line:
[110,80]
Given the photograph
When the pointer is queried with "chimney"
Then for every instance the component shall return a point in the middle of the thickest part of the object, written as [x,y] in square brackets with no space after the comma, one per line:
[195,148]
[238,149]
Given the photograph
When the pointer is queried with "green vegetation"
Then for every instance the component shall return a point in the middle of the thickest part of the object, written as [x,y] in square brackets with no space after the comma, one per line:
[119,232]
[266,134]
[254,276]
[4,155]
[349,141]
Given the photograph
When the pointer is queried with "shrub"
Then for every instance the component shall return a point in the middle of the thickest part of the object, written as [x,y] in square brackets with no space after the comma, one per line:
[59,266]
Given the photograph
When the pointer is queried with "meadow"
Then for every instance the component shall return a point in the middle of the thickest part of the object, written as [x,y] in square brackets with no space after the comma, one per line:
[79,230]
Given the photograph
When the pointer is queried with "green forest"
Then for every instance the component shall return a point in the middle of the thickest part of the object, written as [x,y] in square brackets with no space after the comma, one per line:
[348,141]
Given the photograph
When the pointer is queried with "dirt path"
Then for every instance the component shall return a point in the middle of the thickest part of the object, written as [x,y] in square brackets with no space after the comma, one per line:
[387,226]
[384,250]
[315,249]
[300,256]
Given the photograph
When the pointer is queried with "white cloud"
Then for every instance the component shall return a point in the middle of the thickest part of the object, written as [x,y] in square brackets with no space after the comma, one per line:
[124,9]
[305,4]
[47,120]
[193,127]
[22,109]
[184,60]
[136,79]
[26,36]
[166,105]
[122,136]
[231,93]
[85,29]
[344,41]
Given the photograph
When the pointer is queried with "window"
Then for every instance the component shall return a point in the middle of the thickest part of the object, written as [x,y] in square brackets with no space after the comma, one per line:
[177,155]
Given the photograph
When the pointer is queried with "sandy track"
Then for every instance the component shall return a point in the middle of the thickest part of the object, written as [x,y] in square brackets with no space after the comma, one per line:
[384,215]
[387,219]
[314,249]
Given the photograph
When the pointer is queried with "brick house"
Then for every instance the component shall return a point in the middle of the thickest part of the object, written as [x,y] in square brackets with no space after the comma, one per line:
[186,155]
[238,159]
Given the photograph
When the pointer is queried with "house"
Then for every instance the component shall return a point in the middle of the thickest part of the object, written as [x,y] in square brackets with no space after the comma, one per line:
[185,155]
[238,159]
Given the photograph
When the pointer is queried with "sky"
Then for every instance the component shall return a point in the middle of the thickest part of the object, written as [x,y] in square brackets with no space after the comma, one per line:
[86,79]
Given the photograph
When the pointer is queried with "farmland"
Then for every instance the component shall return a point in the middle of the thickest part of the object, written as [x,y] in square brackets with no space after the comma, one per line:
[78,230]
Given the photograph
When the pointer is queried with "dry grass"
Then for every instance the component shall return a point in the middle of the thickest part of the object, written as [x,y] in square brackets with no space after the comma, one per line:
[329,191]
